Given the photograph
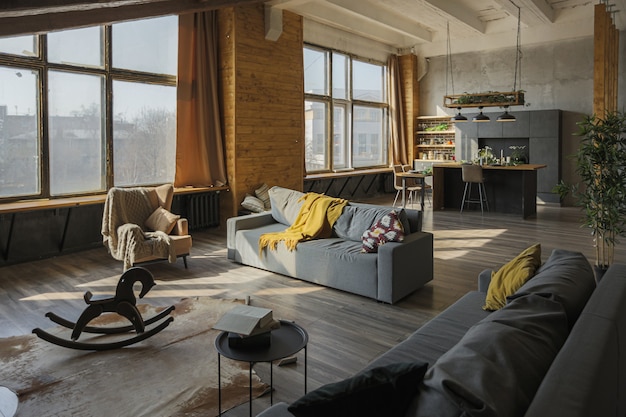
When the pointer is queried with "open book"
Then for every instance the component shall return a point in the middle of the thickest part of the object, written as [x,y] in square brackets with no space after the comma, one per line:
[247,321]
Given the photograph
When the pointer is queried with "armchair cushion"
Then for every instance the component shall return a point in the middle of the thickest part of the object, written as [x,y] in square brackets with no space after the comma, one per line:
[161,220]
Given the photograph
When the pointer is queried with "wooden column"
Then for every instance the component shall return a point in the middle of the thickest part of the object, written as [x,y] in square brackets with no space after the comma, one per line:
[410,98]
[606,53]
[262,84]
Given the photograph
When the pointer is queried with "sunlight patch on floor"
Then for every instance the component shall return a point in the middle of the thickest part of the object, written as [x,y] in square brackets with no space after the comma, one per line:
[154,293]
[288,291]
[450,254]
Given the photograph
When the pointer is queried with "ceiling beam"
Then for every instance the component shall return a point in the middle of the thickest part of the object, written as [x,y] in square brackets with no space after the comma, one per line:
[338,17]
[379,15]
[460,14]
[18,17]
[533,12]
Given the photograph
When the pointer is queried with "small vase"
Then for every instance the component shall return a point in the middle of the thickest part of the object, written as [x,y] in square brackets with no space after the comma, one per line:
[598,271]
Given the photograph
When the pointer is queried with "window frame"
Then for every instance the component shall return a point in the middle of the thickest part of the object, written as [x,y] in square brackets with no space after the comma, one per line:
[39,63]
[349,103]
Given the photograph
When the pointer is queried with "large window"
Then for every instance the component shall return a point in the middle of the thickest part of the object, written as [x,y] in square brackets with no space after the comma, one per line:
[345,111]
[85,109]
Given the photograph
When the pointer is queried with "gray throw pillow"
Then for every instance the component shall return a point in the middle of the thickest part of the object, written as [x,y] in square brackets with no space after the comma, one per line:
[496,368]
[355,220]
[285,204]
[567,275]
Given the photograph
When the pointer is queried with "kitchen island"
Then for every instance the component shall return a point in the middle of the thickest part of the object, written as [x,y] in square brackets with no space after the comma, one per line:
[510,189]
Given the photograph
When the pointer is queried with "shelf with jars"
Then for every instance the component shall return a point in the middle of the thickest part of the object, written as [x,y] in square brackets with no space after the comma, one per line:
[435,139]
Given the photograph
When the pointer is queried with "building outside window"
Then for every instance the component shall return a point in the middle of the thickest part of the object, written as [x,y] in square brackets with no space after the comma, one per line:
[85,109]
[345,111]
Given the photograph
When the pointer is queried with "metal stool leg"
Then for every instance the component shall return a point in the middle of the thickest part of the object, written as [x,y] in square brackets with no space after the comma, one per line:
[464,194]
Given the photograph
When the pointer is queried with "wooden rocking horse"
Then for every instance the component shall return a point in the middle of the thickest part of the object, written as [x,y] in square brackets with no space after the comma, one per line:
[122,303]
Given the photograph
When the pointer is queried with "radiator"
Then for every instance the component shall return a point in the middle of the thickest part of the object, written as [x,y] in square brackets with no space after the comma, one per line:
[203,210]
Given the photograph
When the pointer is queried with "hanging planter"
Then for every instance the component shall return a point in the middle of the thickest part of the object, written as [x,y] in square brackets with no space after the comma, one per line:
[488,99]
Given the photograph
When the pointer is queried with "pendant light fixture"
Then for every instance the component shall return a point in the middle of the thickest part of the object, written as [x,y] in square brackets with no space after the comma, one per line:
[458,117]
[506,116]
[480,117]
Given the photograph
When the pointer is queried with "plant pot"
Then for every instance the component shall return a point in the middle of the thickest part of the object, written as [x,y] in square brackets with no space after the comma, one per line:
[598,271]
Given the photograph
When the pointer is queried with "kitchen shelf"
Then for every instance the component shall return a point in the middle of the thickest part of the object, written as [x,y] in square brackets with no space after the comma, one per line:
[443,145]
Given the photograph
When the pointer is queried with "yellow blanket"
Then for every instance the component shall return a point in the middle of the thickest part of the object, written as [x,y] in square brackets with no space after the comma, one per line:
[315,220]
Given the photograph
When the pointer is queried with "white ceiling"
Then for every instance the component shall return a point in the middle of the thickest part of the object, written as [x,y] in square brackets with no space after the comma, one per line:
[421,25]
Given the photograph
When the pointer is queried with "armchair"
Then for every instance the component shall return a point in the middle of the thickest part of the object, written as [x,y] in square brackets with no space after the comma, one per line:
[137,226]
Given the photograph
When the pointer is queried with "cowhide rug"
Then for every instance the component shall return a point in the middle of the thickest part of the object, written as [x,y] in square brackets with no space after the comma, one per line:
[173,373]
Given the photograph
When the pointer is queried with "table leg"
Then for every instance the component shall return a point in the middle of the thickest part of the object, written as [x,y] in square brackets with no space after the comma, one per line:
[305,363]
[403,192]
[423,192]
[250,388]
[219,385]
[271,383]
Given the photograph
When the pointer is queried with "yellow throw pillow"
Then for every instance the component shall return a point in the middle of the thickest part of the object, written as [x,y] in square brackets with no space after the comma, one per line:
[512,276]
[161,220]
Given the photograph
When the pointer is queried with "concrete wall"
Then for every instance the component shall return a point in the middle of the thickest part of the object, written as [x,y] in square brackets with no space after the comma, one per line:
[555,76]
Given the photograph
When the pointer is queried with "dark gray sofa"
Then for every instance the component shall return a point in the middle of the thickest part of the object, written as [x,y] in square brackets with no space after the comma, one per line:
[570,361]
[398,269]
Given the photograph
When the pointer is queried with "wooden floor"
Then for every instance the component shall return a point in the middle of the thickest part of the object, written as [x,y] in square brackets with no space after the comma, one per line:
[346,331]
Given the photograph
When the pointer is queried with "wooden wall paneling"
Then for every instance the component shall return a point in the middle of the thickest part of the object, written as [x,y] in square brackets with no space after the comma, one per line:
[264,104]
[410,96]
[606,50]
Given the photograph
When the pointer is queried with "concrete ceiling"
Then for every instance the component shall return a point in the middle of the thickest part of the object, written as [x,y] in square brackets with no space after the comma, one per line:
[421,25]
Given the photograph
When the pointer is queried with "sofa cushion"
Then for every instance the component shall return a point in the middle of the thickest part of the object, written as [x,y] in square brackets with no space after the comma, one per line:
[387,229]
[511,276]
[381,391]
[355,220]
[253,204]
[568,276]
[498,365]
[285,204]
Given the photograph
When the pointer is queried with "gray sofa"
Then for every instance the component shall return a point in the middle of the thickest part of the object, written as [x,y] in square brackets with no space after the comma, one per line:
[398,269]
[555,349]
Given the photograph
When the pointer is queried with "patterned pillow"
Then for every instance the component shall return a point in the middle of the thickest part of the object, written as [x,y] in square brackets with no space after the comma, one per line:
[263,195]
[387,229]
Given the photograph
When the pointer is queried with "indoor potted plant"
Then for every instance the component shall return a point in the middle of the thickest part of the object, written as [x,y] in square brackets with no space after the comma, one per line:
[601,165]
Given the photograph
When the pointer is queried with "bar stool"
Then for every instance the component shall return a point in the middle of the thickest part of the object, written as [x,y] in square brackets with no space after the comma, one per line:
[473,174]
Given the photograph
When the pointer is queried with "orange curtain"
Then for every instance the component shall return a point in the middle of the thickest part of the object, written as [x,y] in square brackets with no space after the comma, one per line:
[199,139]
[397,130]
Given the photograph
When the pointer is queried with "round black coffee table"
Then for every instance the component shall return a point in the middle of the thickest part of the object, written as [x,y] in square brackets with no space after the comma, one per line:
[287,340]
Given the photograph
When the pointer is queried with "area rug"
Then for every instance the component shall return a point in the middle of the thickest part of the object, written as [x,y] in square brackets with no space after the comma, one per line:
[173,373]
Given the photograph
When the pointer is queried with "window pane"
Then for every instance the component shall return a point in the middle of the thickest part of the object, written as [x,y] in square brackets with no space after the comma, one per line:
[369,144]
[149,45]
[368,82]
[19,135]
[315,149]
[340,76]
[340,144]
[144,133]
[315,72]
[19,45]
[75,131]
[76,46]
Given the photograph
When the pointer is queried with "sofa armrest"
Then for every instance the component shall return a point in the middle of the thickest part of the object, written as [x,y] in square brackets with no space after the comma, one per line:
[404,267]
[249,221]
[181,228]
[484,279]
